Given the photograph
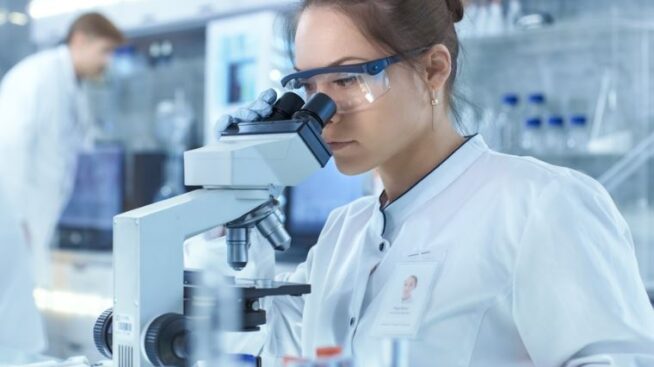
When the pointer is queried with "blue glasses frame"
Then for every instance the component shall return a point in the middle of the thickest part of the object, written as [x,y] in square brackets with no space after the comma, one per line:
[373,67]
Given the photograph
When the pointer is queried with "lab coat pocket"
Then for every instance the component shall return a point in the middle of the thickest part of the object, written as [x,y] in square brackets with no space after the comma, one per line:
[453,315]
[449,328]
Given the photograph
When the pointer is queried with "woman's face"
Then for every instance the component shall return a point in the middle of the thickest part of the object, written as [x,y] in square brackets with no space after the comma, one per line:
[363,140]
[409,286]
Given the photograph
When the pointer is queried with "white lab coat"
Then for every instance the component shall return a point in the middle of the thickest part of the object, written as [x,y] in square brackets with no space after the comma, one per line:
[21,326]
[537,268]
[43,125]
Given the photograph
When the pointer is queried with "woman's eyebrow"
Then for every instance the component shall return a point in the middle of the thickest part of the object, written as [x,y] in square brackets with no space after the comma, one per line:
[337,62]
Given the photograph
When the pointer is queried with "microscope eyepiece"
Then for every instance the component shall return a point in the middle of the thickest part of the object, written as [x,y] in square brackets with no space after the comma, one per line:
[285,107]
[320,108]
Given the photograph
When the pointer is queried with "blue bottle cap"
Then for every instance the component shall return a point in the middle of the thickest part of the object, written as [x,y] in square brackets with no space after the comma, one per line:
[534,122]
[125,50]
[245,359]
[556,121]
[579,120]
[511,99]
[538,98]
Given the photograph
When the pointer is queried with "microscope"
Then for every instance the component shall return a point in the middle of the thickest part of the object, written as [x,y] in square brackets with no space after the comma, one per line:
[241,176]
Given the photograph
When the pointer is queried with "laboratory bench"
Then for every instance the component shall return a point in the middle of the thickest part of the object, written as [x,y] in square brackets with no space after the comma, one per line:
[82,284]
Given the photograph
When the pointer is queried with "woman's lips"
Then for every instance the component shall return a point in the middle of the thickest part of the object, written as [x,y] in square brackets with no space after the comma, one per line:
[336,146]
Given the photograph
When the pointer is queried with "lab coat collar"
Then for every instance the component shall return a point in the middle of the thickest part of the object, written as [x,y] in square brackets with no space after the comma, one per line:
[68,68]
[429,186]
[72,87]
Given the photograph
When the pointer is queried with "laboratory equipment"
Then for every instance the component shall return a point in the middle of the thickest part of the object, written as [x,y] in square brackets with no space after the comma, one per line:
[174,121]
[241,175]
[508,120]
[555,135]
[513,13]
[241,60]
[531,135]
[467,27]
[324,357]
[577,133]
[495,24]
[502,131]
[531,139]
[145,174]
[536,107]
[86,222]
[126,62]
[535,20]
[609,133]
[395,353]
[622,170]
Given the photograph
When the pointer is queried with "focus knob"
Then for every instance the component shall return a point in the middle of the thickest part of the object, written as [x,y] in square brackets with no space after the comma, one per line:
[166,341]
[103,333]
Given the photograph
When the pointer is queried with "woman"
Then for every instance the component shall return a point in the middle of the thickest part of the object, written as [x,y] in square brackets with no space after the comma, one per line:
[523,263]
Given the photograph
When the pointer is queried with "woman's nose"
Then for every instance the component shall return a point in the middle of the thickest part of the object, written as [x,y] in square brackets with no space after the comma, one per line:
[335,119]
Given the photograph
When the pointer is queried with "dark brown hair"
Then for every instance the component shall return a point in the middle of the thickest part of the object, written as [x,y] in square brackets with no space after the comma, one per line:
[95,24]
[399,26]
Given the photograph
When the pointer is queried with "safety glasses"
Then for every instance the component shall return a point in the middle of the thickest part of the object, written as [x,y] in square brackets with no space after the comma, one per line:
[353,87]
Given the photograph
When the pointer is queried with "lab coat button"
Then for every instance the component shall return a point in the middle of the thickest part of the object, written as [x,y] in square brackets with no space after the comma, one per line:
[382,247]
[352,321]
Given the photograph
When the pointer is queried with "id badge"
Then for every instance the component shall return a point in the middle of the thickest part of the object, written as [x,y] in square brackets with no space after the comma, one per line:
[404,299]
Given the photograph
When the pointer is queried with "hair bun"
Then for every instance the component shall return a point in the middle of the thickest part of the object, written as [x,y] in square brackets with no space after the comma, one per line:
[456,9]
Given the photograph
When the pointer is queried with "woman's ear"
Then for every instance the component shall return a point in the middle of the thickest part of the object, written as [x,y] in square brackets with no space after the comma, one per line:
[438,67]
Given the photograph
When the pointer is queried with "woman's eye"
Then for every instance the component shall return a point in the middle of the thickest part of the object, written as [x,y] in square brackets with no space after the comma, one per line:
[307,87]
[345,82]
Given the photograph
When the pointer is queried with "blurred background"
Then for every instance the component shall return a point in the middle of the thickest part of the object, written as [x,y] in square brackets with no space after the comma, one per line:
[567,81]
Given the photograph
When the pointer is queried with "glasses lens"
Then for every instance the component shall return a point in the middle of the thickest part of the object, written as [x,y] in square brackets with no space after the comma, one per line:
[352,92]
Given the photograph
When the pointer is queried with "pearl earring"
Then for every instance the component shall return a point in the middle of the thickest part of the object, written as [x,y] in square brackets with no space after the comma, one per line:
[434,99]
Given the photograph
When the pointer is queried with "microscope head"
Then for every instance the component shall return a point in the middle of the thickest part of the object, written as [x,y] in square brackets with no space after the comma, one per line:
[283,150]
[280,152]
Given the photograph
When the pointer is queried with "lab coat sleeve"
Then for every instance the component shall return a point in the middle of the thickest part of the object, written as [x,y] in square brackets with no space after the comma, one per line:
[18,104]
[578,298]
[285,315]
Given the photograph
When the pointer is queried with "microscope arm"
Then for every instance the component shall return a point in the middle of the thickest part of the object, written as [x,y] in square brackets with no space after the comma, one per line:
[148,252]
[239,173]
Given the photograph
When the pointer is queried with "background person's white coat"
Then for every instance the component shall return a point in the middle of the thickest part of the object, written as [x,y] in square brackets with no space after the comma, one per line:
[21,326]
[43,126]
[44,122]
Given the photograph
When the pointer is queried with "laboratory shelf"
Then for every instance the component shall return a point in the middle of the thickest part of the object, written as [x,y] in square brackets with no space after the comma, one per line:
[600,67]
[561,31]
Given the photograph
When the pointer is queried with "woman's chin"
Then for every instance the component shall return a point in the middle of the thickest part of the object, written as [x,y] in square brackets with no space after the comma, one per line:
[351,167]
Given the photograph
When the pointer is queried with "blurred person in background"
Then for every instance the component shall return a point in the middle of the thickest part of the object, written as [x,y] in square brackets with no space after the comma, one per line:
[44,124]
